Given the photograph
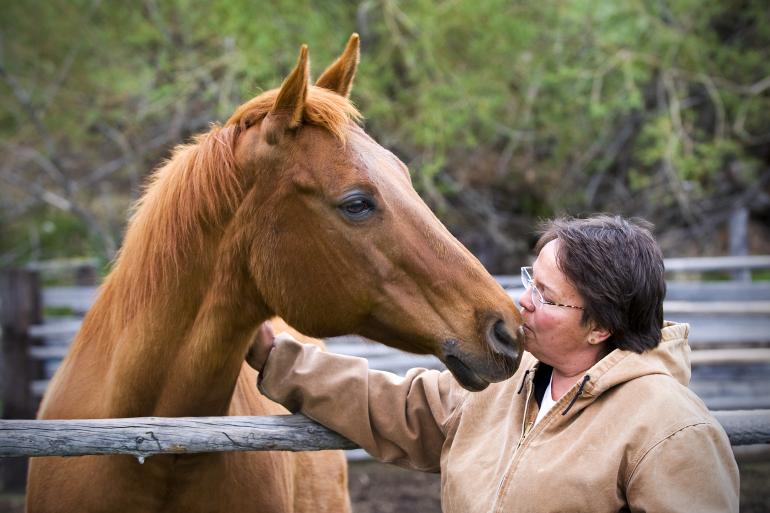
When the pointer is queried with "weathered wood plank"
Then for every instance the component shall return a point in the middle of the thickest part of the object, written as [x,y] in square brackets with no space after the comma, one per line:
[717,307]
[65,328]
[81,298]
[717,290]
[57,352]
[78,299]
[383,357]
[723,356]
[682,265]
[736,402]
[724,263]
[20,307]
[709,330]
[148,436]
[705,329]
[745,427]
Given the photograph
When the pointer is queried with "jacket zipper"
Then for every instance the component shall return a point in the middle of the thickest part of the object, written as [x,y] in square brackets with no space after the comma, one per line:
[525,429]
[530,388]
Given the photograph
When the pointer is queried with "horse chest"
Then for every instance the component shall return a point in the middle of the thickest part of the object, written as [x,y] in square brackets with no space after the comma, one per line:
[224,482]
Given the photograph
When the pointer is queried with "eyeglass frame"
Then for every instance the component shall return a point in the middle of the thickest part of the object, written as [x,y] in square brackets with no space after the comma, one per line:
[529,283]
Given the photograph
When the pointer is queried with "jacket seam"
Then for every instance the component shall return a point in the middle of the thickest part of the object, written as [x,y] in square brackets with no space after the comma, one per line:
[454,417]
[655,445]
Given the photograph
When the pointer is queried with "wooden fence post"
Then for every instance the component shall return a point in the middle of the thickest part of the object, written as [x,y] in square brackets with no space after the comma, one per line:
[738,234]
[20,308]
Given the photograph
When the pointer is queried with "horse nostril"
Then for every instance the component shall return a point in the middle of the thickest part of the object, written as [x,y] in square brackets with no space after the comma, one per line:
[501,335]
[504,350]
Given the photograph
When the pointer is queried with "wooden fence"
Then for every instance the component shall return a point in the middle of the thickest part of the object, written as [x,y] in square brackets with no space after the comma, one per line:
[730,334]
[149,436]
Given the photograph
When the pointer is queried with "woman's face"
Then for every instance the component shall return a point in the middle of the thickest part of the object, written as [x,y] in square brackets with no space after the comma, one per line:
[554,334]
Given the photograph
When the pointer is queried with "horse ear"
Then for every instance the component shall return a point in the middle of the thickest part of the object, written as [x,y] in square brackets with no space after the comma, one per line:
[339,76]
[290,102]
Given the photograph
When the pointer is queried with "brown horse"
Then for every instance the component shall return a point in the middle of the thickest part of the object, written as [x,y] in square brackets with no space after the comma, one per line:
[290,209]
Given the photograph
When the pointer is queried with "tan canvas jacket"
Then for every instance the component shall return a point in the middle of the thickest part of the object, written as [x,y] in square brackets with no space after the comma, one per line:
[636,439]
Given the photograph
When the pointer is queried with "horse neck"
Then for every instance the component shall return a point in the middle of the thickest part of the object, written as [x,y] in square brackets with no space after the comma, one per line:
[202,376]
[174,319]
[181,352]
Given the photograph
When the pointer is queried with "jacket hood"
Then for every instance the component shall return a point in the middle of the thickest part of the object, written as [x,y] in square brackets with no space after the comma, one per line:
[671,357]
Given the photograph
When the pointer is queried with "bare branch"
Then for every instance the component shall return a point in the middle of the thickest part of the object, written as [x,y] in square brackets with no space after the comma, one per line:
[31,154]
[37,191]
[67,205]
[25,101]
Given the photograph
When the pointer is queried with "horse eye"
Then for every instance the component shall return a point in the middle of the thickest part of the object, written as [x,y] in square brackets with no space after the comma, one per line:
[357,208]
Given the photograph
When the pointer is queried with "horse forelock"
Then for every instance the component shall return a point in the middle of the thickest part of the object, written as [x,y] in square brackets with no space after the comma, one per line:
[323,108]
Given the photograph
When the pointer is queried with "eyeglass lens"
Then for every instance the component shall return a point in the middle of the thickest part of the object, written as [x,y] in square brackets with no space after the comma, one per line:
[527,281]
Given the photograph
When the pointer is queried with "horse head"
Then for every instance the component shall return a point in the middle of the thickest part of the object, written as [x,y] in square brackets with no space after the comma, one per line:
[339,242]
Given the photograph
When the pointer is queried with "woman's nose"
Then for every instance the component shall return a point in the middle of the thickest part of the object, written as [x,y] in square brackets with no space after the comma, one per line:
[525,300]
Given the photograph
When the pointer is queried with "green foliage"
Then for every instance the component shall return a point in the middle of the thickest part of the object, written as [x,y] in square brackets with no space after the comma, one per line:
[58,311]
[46,233]
[546,107]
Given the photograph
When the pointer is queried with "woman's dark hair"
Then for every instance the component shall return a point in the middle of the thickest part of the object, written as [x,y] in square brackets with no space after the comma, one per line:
[617,267]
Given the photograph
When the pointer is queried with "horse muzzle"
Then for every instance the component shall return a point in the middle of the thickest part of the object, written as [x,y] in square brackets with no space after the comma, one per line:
[497,362]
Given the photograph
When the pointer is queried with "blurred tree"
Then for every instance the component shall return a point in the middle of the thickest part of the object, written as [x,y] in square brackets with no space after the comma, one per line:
[505,112]
[529,109]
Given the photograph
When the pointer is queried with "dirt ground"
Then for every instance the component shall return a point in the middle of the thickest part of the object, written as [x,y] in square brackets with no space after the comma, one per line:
[755,487]
[380,488]
[374,488]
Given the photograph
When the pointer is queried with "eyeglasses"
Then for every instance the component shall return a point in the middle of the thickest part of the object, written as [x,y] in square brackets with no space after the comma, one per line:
[537,296]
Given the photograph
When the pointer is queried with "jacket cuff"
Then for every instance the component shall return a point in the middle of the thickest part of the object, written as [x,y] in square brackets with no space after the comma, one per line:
[276,371]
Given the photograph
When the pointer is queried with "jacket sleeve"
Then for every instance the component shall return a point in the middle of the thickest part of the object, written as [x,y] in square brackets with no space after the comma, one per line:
[395,419]
[693,469]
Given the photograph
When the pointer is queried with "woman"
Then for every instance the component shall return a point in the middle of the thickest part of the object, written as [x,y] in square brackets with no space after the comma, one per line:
[597,418]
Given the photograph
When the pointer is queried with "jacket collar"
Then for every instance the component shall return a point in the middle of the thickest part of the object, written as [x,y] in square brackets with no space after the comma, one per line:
[671,357]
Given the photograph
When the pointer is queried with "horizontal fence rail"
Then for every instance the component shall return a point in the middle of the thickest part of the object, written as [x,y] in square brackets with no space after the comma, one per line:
[722,263]
[148,436]
[142,437]
[745,427]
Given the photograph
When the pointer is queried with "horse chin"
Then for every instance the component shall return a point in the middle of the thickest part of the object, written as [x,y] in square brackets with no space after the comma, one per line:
[464,375]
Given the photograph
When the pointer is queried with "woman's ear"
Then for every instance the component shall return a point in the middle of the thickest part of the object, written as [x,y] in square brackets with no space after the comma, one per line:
[597,335]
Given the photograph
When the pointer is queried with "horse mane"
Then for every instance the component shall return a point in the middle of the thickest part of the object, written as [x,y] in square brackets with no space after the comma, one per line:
[192,195]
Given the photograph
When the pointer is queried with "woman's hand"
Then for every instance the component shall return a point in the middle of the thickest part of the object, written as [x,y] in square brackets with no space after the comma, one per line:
[261,346]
